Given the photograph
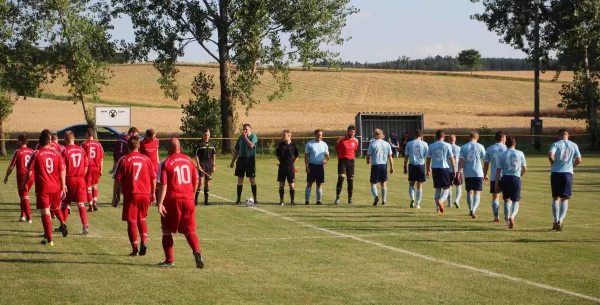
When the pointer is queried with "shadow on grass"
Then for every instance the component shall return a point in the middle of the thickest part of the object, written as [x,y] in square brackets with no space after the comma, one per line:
[41,261]
[58,253]
[525,241]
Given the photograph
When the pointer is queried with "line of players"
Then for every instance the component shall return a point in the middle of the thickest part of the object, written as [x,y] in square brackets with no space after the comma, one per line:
[447,164]
[64,174]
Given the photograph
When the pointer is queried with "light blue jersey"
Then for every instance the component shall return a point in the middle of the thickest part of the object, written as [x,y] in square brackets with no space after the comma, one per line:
[439,152]
[379,150]
[455,154]
[473,153]
[316,152]
[511,161]
[565,152]
[492,155]
[416,150]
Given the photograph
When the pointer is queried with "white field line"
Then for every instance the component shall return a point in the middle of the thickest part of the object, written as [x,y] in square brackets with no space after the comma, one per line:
[429,258]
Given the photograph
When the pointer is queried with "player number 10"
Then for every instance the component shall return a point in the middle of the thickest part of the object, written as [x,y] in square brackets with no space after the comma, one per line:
[183,174]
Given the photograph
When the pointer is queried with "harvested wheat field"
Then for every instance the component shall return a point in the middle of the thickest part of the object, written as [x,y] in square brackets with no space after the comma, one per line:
[565,76]
[330,100]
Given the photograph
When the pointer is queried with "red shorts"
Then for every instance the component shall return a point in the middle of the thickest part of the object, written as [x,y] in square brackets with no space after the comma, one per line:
[24,194]
[47,200]
[181,216]
[135,207]
[92,176]
[76,190]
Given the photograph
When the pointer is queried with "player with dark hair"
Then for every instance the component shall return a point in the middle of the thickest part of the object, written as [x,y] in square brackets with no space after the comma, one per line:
[402,145]
[149,148]
[48,168]
[245,148]
[471,155]
[511,167]
[316,155]
[492,155]
[438,155]
[414,166]
[394,144]
[206,163]
[287,153]
[95,155]
[136,177]
[458,181]
[178,182]
[346,148]
[20,159]
[55,145]
[120,149]
[76,163]
[563,156]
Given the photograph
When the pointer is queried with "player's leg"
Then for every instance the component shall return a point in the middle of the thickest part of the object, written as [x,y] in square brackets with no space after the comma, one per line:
[170,225]
[130,214]
[43,204]
[240,186]
[350,180]
[374,179]
[253,188]
[411,193]
[251,174]
[90,198]
[281,191]
[340,181]
[292,193]
[83,217]
[95,196]
[281,176]
[310,179]
[477,187]
[495,204]
[143,203]
[55,206]
[383,192]
[320,181]
[187,226]
[564,198]
[240,173]
[199,189]
[291,179]
[206,191]
[419,194]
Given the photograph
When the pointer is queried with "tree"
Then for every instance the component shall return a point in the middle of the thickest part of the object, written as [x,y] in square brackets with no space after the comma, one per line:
[569,27]
[81,47]
[203,111]
[469,58]
[6,107]
[250,37]
[405,60]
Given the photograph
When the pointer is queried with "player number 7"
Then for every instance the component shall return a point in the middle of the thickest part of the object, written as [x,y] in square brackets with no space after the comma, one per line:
[138,169]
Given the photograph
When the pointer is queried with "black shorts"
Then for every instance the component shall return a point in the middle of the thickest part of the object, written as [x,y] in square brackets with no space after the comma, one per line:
[511,188]
[316,173]
[286,172]
[493,187]
[207,167]
[416,173]
[346,167]
[561,183]
[441,178]
[245,167]
[379,173]
[474,184]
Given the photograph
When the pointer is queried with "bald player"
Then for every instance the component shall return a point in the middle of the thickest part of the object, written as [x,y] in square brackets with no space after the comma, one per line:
[178,182]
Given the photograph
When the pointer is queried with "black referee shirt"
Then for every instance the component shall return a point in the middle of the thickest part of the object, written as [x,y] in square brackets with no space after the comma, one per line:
[206,151]
[287,152]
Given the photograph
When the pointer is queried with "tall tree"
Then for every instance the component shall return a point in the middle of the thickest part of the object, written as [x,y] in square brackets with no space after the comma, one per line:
[81,47]
[245,37]
[470,59]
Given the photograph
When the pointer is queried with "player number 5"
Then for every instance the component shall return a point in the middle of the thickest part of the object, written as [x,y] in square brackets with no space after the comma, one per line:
[93,152]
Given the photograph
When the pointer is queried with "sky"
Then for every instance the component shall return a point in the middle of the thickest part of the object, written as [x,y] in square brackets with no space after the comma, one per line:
[388,29]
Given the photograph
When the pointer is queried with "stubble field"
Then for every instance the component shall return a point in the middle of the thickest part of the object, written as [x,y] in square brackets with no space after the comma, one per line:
[328,100]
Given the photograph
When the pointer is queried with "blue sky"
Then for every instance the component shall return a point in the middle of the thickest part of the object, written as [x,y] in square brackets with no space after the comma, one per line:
[387,29]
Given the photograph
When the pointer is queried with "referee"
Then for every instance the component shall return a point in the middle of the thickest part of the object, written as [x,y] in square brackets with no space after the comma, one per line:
[245,148]
[346,148]
[316,155]
[287,154]
[206,162]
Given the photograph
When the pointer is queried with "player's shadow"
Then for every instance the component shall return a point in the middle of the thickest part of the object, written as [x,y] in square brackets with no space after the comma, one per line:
[506,241]
[41,261]
[57,253]
[420,229]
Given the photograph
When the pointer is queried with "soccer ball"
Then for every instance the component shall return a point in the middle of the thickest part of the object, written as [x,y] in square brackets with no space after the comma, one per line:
[249,202]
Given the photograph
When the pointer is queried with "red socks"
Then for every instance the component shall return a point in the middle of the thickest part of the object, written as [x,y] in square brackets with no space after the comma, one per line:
[167,243]
[95,196]
[192,240]
[25,208]
[83,215]
[65,213]
[143,228]
[47,223]
[132,232]
[89,196]
[59,215]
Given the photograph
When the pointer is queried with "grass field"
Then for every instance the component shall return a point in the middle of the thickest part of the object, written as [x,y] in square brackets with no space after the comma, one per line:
[328,100]
[319,254]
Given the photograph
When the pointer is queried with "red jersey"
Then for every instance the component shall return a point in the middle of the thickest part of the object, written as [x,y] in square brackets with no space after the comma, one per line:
[94,152]
[20,160]
[178,173]
[120,148]
[54,146]
[346,148]
[76,160]
[150,150]
[47,164]
[135,173]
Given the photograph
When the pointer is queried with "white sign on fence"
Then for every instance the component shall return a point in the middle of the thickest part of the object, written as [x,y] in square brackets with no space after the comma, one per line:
[113,116]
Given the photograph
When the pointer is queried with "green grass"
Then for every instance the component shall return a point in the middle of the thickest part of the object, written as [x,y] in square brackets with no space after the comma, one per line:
[253,257]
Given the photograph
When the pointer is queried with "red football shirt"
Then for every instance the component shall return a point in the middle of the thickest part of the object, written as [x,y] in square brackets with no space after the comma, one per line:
[47,164]
[150,150]
[135,173]
[120,148]
[76,160]
[346,148]
[59,148]
[20,159]
[178,172]
[94,152]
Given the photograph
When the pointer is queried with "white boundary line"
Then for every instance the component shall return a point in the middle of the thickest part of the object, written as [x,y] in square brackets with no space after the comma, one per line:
[429,258]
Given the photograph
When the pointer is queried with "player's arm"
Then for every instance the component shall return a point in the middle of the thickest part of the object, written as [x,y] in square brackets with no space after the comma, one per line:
[8,171]
[214,160]
[498,173]
[326,159]
[153,187]
[369,153]
[296,154]
[306,162]
[428,167]
[455,173]
[162,179]
[577,161]
[486,166]
[461,164]
[391,160]
[12,165]
[197,159]
[405,164]
[63,183]
[551,157]
[523,170]
[235,155]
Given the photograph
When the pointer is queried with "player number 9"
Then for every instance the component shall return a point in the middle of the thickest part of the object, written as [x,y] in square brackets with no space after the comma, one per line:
[27,158]
[49,166]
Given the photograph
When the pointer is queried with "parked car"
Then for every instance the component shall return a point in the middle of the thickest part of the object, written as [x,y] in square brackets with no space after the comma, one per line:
[106,135]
